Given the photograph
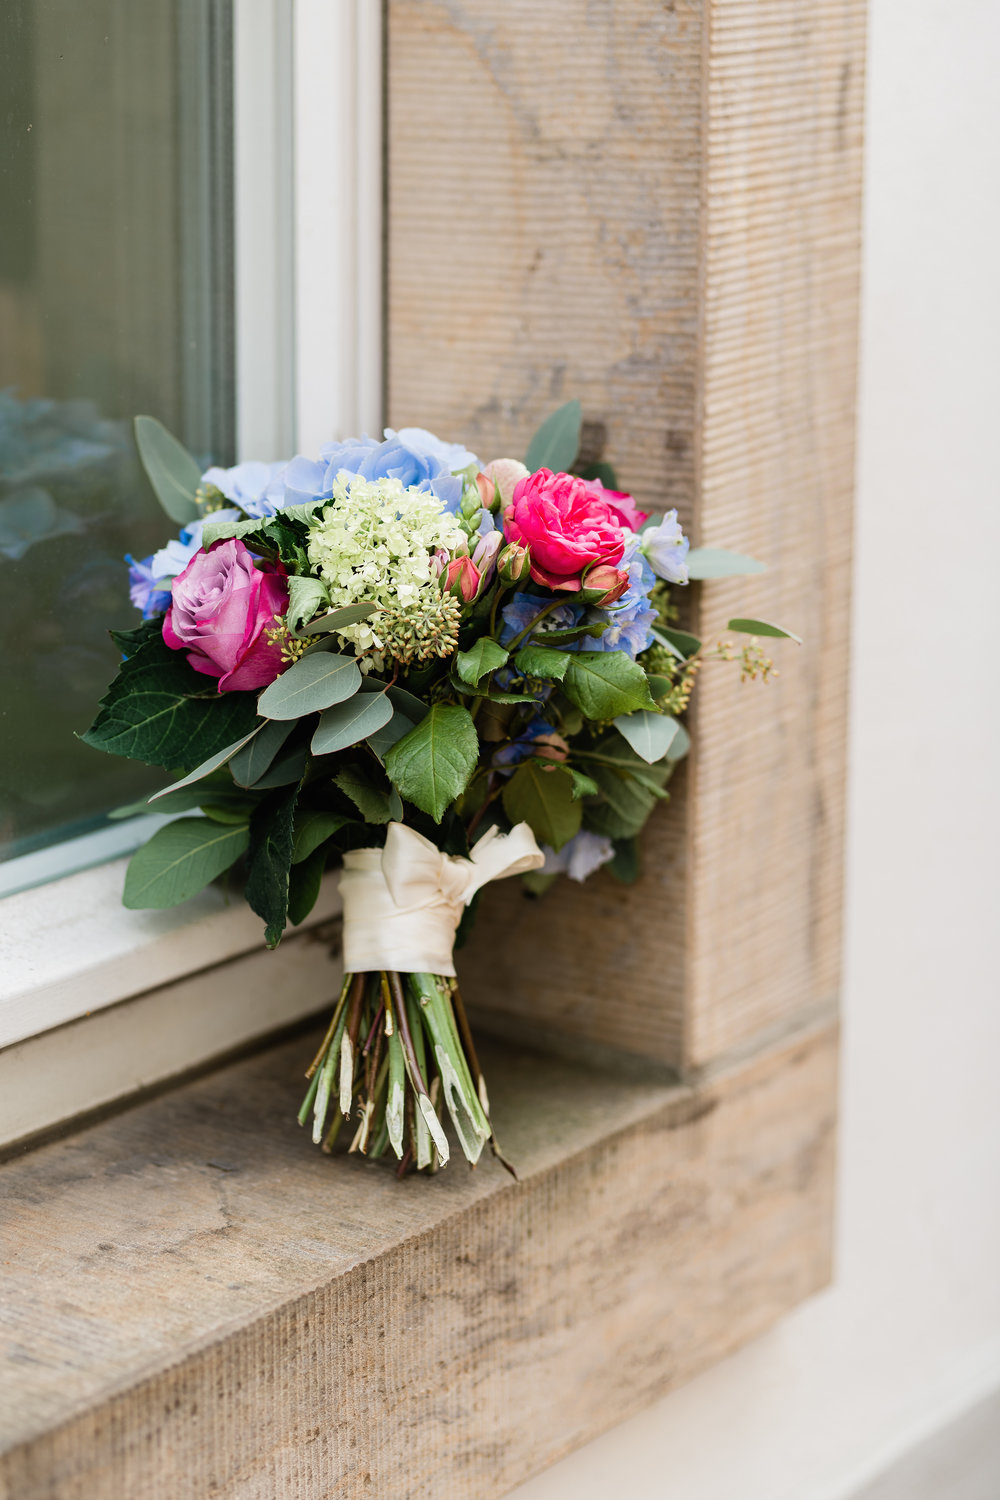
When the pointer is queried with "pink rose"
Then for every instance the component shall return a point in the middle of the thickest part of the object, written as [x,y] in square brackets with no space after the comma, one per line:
[619,501]
[568,526]
[222,607]
[462,578]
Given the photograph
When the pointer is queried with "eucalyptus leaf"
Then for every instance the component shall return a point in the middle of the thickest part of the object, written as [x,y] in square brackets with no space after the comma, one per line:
[383,739]
[557,442]
[680,746]
[763,627]
[717,562]
[482,657]
[172,472]
[680,642]
[414,708]
[432,764]
[347,723]
[258,754]
[180,860]
[348,614]
[208,766]
[604,684]
[542,796]
[649,734]
[287,767]
[312,828]
[306,595]
[536,660]
[310,685]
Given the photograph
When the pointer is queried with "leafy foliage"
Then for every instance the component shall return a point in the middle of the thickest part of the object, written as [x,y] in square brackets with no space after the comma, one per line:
[604,684]
[180,860]
[432,764]
[557,442]
[172,472]
[542,795]
[269,860]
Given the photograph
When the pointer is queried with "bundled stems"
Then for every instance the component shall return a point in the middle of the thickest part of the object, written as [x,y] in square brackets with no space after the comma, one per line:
[397,1057]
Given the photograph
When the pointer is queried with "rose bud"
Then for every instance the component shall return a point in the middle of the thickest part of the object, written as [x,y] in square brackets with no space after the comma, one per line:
[550,747]
[439,561]
[489,493]
[514,563]
[462,578]
[485,553]
[604,585]
[505,473]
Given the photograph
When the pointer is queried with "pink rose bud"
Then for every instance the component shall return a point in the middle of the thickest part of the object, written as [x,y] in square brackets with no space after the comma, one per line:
[439,561]
[513,564]
[505,473]
[462,579]
[484,554]
[550,747]
[604,585]
[489,494]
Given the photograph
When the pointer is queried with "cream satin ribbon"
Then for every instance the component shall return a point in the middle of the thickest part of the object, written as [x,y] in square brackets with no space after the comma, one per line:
[403,903]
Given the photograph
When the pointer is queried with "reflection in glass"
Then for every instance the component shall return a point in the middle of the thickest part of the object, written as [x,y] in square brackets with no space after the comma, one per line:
[115,298]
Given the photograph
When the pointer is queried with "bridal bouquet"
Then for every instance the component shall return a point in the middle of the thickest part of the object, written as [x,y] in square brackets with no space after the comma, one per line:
[430,671]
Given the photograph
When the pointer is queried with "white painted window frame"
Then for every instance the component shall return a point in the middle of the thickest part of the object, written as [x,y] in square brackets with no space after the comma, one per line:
[308,173]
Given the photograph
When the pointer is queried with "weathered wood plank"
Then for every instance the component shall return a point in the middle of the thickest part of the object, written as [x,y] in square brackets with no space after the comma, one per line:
[656,208]
[195,1302]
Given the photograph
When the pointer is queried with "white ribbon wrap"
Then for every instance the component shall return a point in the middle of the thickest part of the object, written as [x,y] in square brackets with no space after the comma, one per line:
[403,903]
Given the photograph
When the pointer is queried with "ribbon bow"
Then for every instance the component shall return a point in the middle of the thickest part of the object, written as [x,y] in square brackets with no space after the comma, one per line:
[403,903]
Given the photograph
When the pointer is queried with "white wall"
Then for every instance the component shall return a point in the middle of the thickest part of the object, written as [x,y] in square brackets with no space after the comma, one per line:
[910,1333]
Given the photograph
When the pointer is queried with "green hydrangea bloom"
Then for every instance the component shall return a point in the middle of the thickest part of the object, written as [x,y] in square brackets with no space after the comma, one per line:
[375,540]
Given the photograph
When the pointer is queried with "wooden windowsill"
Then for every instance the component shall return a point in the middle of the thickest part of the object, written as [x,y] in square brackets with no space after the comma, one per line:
[198,1302]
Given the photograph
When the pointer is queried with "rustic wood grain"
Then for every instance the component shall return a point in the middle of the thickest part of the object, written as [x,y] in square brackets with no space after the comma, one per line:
[196,1302]
[655,207]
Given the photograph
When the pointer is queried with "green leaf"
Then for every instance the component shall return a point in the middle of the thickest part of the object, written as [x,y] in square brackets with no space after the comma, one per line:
[224,531]
[289,766]
[557,442]
[253,760]
[383,739]
[680,642]
[432,764]
[483,656]
[602,471]
[305,596]
[414,708]
[539,661]
[310,685]
[269,861]
[129,641]
[172,472]
[224,812]
[213,790]
[572,633]
[312,828]
[604,684]
[625,865]
[493,694]
[583,786]
[159,710]
[208,766]
[374,803]
[681,745]
[348,614]
[542,797]
[347,723]
[650,735]
[717,562]
[763,627]
[180,860]
[629,788]
[304,886]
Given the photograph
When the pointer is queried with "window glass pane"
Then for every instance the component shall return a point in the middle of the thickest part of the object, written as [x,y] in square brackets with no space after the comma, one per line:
[116,297]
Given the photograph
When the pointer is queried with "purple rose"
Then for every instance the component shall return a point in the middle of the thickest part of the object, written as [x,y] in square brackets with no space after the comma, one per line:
[223,606]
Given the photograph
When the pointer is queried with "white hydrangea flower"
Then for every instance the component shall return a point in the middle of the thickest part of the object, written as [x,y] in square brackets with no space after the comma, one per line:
[375,540]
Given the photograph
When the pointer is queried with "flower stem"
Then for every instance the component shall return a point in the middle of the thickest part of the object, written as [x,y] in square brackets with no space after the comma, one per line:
[511,645]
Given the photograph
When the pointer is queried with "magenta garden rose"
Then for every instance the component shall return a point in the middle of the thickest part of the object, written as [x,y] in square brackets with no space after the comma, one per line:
[569,526]
[223,613]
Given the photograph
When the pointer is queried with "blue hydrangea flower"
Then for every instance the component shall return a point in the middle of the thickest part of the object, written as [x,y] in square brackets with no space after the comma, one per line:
[522,746]
[631,617]
[145,587]
[666,546]
[246,485]
[416,458]
[519,611]
[175,556]
[579,857]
